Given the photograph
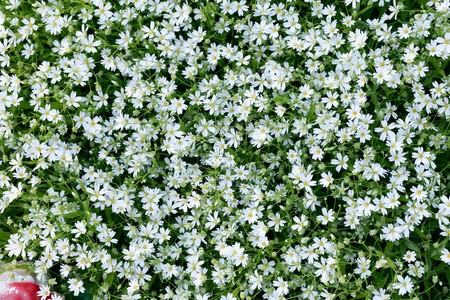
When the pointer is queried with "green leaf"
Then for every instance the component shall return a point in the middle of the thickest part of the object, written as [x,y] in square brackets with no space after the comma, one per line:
[74,214]
[110,278]
[223,16]
[427,81]
[364,10]
[379,253]
[428,264]
[445,63]
[342,268]
[373,98]
[4,236]
[236,291]
[108,217]
[182,125]
[304,4]
[402,248]
[84,296]
[161,163]
[420,233]
[427,288]
[411,245]
[56,105]
[24,266]
[151,281]
[281,99]
[361,295]
[432,252]
[390,263]
[436,256]
[447,274]
[441,268]
[389,247]
[311,111]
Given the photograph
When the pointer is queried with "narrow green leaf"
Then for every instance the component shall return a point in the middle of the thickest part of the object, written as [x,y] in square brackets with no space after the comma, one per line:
[362,295]
[74,214]
[4,236]
[236,291]
[108,217]
[364,10]
[390,263]
[389,247]
[280,99]
[411,245]
[420,233]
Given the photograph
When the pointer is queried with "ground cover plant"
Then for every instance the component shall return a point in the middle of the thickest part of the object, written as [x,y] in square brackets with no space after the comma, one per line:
[226,149]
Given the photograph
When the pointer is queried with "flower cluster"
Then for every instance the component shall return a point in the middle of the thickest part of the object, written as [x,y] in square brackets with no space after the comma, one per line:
[161,149]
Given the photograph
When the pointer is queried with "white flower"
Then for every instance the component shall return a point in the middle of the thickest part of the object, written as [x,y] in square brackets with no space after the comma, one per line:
[326,180]
[354,112]
[306,92]
[281,285]
[352,2]
[80,228]
[445,257]
[15,245]
[380,294]
[418,193]
[410,256]
[280,110]
[96,194]
[444,43]
[90,44]
[357,39]
[391,233]
[76,286]
[421,156]
[133,286]
[44,291]
[65,270]
[365,206]
[124,39]
[256,280]
[276,222]
[327,216]
[404,285]
[363,267]
[306,182]
[317,152]
[300,224]
[198,277]
[340,162]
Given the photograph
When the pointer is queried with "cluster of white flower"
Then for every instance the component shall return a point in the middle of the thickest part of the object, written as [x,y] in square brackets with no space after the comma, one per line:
[226,149]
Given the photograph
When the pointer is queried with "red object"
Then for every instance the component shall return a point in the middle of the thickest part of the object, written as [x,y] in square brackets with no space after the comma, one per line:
[21,291]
